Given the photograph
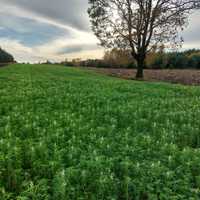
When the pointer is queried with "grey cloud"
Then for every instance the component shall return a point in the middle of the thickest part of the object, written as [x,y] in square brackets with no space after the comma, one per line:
[74,14]
[191,33]
[23,30]
[76,48]
[69,12]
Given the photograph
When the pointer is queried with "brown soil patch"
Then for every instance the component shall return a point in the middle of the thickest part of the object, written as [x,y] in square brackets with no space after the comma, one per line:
[186,77]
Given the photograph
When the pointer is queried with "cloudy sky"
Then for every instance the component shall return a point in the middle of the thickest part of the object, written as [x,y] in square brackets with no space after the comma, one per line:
[37,30]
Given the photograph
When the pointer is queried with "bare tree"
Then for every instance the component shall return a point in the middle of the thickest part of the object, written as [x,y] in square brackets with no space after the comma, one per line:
[140,25]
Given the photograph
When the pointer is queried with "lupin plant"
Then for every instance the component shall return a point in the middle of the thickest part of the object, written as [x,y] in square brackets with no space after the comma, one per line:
[71,134]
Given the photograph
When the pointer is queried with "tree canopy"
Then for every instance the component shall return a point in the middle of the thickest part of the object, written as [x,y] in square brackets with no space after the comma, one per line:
[5,57]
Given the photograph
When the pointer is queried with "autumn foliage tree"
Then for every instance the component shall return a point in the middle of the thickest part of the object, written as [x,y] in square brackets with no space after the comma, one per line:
[118,58]
[139,25]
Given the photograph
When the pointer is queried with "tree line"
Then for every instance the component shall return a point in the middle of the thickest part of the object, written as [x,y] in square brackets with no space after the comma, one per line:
[157,59]
[189,59]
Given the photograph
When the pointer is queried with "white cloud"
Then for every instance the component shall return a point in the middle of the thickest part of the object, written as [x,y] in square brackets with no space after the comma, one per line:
[49,50]
[18,50]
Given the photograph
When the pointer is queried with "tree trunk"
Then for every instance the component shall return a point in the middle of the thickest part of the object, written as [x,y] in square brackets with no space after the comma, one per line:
[140,67]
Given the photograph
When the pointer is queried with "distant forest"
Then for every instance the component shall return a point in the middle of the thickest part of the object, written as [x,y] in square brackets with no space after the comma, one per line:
[158,59]
[5,57]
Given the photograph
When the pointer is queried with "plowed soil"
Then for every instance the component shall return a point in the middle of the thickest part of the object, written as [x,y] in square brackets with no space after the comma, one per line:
[186,77]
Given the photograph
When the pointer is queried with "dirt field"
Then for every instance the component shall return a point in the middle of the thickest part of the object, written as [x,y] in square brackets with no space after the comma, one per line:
[186,77]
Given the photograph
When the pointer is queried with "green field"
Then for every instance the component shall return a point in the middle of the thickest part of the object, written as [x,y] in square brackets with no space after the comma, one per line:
[69,134]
